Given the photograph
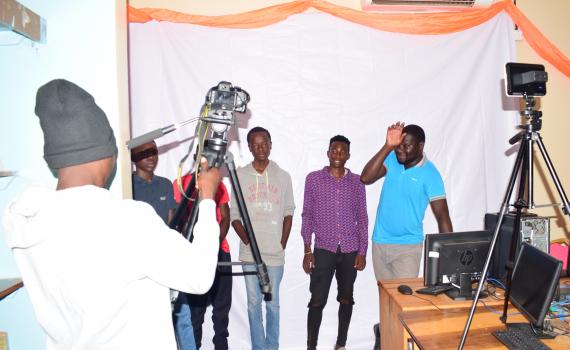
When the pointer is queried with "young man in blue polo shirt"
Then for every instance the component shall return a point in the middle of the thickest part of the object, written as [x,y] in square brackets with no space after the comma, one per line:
[411,183]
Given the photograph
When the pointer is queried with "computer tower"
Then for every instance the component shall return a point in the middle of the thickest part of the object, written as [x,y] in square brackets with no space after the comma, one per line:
[534,230]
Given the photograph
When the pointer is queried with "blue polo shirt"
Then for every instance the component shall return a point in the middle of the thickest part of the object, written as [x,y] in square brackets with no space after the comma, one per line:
[158,193]
[404,199]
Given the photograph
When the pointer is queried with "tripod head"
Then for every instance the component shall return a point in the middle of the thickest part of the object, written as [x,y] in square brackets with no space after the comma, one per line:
[535,123]
[218,110]
[528,81]
[533,117]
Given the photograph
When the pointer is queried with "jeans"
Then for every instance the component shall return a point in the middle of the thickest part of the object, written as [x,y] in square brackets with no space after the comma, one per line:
[327,265]
[183,324]
[261,339]
[220,297]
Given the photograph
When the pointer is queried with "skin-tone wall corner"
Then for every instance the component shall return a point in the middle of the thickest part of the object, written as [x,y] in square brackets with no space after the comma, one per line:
[123,133]
[551,18]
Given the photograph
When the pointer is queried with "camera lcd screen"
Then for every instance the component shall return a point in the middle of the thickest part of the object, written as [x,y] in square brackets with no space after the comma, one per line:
[224,100]
[526,79]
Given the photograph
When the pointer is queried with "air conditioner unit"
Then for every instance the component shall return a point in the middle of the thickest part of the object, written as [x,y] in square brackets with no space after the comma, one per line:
[423,5]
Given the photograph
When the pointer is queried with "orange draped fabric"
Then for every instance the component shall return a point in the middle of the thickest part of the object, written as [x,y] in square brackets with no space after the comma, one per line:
[405,23]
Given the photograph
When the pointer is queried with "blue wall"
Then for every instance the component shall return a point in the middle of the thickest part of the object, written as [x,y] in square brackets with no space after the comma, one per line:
[81,47]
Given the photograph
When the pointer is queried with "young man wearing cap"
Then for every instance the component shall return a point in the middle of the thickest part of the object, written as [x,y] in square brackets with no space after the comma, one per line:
[98,269]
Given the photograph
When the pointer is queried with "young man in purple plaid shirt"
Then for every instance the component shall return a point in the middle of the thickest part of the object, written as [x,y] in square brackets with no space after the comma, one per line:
[334,210]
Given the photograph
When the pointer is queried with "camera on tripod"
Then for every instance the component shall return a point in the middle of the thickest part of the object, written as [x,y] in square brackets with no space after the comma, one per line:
[218,110]
[526,79]
[221,101]
[217,113]
[225,97]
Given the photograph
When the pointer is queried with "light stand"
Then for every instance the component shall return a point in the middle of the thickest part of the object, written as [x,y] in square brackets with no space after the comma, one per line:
[523,167]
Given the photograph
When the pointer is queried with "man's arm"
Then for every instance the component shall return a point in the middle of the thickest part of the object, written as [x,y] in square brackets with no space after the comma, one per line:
[307,226]
[240,230]
[362,217]
[235,219]
[171,202]
[168,258]
[375,169]
[224,221]
[170,216]
[441,212]
[287,223]
[288,209]
[308,259]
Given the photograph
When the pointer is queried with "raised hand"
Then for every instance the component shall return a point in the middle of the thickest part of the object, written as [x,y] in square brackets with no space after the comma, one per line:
[394,135]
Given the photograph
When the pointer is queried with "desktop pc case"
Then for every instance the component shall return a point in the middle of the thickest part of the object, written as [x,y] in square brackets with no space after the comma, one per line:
[534,230]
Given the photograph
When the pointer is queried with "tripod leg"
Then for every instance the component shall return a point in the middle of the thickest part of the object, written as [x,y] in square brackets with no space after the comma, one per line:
[525,172]
[554,176]
[261,268]
[504,207]
[179,220]
[188,230]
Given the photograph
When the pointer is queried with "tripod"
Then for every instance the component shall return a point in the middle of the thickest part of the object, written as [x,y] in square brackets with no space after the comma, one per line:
[523,169]
[216,154]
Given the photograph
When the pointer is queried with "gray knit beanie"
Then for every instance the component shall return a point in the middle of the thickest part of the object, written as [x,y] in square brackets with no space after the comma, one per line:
[76,130]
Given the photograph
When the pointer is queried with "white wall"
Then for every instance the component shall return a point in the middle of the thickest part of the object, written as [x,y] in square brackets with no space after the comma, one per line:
[81,46]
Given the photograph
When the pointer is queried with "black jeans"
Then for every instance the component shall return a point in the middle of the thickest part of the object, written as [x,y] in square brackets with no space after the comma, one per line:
[220,297]
[327,265]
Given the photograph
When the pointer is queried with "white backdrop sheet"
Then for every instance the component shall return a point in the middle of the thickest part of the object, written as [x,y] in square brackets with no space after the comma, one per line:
[314,76]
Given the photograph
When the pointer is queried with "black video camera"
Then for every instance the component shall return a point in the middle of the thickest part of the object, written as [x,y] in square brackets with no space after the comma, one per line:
[225,97]
[526,79]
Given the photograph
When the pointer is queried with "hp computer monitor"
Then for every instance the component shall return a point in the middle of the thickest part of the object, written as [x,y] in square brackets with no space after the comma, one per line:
[455,258]
[535,278]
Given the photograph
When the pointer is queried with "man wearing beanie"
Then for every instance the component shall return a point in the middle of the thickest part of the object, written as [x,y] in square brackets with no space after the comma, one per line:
[98,269]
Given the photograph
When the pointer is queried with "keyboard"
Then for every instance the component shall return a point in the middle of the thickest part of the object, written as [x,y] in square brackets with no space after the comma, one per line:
[435,290]
[519,336]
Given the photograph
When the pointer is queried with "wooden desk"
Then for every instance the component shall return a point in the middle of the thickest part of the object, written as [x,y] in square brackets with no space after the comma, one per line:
[442,329]
[392,303]
[9,285]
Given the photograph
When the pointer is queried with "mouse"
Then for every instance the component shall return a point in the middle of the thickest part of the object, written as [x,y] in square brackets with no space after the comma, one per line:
[405,289]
